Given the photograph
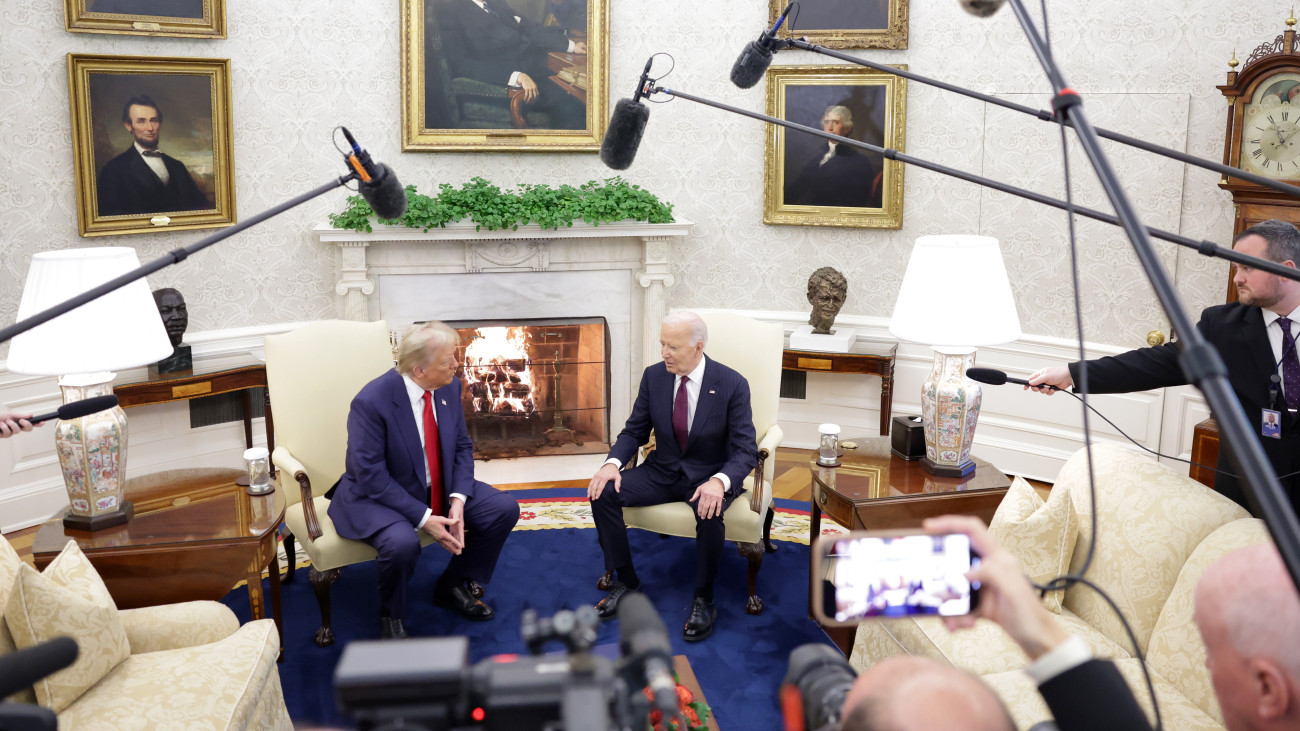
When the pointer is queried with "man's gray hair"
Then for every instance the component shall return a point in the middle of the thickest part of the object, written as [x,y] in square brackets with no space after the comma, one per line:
[420,342]
[840,111]
[1283,239]
[698,330]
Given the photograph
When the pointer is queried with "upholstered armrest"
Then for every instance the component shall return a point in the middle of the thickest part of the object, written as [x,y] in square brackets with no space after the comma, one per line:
[291,469]
[171,626]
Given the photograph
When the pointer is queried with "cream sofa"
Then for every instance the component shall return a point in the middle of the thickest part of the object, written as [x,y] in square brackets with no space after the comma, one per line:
[1159,531]
[189,666]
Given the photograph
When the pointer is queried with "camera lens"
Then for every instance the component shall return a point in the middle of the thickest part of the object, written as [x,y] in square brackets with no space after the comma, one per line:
[823,678]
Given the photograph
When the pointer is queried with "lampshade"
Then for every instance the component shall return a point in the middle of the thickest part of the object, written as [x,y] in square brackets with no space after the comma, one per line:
[956,293]
[120,330]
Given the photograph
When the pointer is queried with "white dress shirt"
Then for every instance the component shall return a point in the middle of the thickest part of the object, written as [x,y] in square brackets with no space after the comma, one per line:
[829,153]
[416,394]
[514,77]
[692,398]
[155,164]
[1275,335]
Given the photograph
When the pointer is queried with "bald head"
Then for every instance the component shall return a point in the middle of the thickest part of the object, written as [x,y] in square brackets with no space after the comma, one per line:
[1247,610]
[920,694]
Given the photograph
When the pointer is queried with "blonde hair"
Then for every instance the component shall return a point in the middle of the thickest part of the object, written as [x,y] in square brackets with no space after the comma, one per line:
[420,342]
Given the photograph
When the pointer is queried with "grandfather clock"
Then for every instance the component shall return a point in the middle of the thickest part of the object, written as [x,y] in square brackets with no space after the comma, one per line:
[1263,119]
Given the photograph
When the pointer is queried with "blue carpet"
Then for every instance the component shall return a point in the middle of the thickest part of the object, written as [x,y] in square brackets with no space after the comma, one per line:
[739,667]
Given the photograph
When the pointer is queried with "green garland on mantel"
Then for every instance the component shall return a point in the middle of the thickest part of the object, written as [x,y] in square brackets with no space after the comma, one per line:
[594,202]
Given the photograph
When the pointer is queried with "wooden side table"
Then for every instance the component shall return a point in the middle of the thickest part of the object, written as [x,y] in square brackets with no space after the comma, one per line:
[874,490]
[195,534]
[1205,450]
[161,388]
[871,364]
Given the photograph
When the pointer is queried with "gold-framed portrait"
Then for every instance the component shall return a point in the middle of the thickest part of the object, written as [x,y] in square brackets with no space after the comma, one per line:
[504,75]
[808,180]
[151,143]
[846,24]
[183,18]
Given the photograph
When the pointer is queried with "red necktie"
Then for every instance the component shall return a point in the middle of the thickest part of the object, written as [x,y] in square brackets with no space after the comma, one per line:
[679,415]
[431,451]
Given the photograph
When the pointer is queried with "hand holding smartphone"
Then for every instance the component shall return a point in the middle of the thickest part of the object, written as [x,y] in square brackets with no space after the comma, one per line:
[873,574]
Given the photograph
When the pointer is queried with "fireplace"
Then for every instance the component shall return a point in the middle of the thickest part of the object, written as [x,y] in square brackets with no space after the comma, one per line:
[536,386]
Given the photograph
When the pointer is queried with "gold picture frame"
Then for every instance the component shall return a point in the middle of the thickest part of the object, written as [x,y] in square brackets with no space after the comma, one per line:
[805,181]
[455,77]
[180,18]
[178,108]
[845,24]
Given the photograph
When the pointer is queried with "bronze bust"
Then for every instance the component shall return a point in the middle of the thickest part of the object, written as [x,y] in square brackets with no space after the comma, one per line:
[827,289]
[175,318]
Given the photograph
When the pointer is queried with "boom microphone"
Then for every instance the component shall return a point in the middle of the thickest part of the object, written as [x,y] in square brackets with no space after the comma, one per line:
[377,183]
[21,669]
[626,125]
[995,377]
[643,636]
[76,410]
[982,8]
[757,56]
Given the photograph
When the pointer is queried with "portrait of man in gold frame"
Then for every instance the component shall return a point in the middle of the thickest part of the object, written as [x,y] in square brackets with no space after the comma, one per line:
[846,24]
[810,182]
[181,18]
[151,143]
[504,75]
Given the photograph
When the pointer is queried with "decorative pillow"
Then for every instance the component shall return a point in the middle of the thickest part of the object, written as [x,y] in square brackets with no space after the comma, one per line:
[70,599]
[1039,534]
[9,564]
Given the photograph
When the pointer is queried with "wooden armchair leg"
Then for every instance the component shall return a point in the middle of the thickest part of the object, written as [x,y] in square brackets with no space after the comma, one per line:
[768,545]
[606,581]
[753,552]
[291,554]
[321,581]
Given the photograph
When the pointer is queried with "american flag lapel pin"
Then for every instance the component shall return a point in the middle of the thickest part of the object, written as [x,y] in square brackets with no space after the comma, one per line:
[712,391]
[444,402]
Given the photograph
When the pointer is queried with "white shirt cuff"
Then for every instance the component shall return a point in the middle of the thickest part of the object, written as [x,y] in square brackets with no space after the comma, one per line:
[1065,656]
[425,519]
[514,78]
[455,495]
[726,482]
[572,46]
[615,461]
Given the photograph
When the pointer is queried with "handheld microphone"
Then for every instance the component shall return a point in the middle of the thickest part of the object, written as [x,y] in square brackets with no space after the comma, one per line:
[982,8]
[757,56]
[21,669]
[377,182]
[643,636]
[626,125]
[995,377]
[76,410]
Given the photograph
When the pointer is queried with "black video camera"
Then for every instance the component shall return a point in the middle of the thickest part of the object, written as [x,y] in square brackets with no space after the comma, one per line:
[815,685]
[429,685]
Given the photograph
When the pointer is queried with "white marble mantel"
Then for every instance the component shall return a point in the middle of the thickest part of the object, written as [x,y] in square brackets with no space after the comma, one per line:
[362,260]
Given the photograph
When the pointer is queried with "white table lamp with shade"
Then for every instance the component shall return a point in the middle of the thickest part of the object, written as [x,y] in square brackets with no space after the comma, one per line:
[83,348]
[955,298]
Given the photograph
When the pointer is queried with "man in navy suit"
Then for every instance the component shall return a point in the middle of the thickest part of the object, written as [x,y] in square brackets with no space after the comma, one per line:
[143,179]
[403,427]
[699,412]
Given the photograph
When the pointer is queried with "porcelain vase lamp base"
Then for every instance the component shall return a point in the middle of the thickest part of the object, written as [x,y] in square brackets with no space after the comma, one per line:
[92,453]
[950,407]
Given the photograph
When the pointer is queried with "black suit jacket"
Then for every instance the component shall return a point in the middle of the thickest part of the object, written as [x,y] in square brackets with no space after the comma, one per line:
[127,186]
[722,433]
[848,179]
[489,47]
[1091,697]
[1237,332]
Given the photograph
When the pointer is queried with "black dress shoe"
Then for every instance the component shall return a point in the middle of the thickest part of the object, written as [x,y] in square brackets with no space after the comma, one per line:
[459,598]
[390,628]
[700,624]
[607,608]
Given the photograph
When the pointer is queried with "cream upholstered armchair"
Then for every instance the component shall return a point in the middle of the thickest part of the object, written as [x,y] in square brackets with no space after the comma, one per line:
[312,375]
[753,349]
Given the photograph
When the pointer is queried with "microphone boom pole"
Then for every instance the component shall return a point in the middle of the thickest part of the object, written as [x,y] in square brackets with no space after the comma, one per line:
[1199,360]
[1206,248]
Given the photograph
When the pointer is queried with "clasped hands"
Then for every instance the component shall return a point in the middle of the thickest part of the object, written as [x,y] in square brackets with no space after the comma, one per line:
[448,531]
[708,496]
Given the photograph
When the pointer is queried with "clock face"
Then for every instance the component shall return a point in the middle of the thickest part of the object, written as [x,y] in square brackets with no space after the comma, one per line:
[1270,136]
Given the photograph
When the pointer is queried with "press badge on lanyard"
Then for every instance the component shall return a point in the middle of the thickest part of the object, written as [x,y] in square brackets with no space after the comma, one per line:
[1270,419]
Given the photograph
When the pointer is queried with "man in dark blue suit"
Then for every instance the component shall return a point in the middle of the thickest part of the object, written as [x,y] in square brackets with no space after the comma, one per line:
[699,412]
[403,427]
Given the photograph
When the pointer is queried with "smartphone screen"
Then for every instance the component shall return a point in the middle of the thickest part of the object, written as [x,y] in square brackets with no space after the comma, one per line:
[864,575]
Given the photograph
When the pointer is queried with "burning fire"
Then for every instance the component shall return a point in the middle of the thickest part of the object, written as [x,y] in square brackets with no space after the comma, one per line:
[496,369]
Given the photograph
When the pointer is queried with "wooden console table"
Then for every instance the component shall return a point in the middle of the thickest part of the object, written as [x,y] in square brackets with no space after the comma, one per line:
[161,388]
[871,364]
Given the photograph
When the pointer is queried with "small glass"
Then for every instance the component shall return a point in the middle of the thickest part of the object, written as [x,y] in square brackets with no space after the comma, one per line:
[828,450]
[259,471]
